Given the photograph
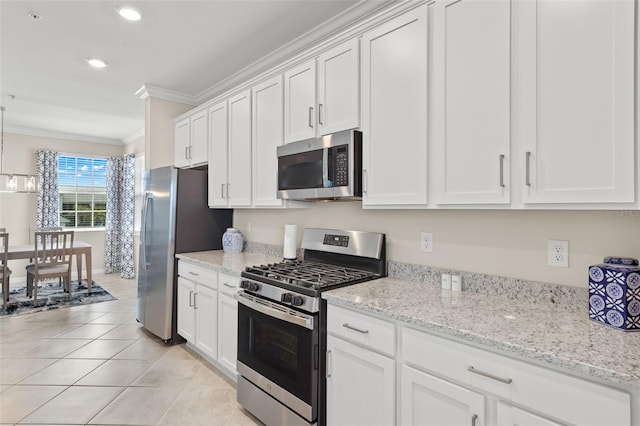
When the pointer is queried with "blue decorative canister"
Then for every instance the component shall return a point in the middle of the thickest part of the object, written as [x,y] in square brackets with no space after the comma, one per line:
[232,241]
[614,293]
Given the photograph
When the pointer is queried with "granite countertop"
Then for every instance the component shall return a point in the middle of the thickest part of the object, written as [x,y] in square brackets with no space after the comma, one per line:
[542,333]
[230,263]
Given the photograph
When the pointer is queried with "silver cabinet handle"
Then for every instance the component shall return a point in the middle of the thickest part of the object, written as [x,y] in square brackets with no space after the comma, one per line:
[228,285]
[189,151]
[489,375]
[527,168]
[502,170]
[228,191]
[473,420]
[365,181]
[186,152]
[320,108]
[194,273]
[328,366]
[190,296]
[195,300]
[359,330]
[311,117]
[222,190]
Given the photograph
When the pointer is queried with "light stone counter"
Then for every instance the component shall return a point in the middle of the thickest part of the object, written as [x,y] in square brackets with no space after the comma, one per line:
[545,334]
[230,263]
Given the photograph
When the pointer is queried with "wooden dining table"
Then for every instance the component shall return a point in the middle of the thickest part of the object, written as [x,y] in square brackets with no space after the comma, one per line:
[79,248]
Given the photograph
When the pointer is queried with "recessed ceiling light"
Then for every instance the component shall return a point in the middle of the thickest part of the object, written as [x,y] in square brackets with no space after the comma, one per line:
[96,63]
[129,13]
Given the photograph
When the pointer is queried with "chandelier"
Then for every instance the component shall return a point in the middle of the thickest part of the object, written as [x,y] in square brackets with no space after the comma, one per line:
[13,182]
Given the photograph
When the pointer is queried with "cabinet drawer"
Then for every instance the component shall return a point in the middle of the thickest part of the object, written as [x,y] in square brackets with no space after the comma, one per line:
[371,332]
[229,284]
[204,276]
[520,382]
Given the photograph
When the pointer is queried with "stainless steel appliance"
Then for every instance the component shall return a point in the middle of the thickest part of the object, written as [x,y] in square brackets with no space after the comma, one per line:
[282,323]
[175,219]
[325,168]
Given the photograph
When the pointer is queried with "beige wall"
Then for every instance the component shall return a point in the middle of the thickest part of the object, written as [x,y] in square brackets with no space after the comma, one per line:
[506,243]
[18,211]
[159,133]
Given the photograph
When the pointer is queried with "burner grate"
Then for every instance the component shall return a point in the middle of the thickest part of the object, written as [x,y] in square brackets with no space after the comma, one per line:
[310,274]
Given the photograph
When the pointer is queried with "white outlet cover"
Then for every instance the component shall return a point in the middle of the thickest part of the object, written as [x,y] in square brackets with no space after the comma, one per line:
[426,242]
[558,253]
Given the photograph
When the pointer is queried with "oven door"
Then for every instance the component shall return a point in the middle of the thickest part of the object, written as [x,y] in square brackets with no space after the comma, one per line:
[278,352]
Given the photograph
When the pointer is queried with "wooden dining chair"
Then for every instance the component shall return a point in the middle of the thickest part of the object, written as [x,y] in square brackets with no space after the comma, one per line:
[4,269]
[53,260]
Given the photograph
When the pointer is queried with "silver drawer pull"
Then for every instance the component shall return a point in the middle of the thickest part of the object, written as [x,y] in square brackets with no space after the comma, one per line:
[490,376]
[194,273]
[473,420]
[229,285]
[350,327]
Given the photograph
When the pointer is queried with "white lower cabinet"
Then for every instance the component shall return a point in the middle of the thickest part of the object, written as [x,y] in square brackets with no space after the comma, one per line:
[228,322]
[360,380]
[197,307]
[440,381]
[427,400]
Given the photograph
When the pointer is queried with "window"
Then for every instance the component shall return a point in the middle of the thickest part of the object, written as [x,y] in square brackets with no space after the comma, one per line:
[82,184]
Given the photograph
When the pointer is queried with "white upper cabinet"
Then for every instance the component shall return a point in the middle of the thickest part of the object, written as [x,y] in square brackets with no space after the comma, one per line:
[471,101]
[338,88]
[190,144]
[316,107]
[239,185]
[394,111]
[300,102]
[574,91]
[268,116]
[218,135]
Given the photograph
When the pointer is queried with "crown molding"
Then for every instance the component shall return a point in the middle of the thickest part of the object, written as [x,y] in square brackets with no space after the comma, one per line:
[170,95]
[133,137]
[357,13]
[59,135]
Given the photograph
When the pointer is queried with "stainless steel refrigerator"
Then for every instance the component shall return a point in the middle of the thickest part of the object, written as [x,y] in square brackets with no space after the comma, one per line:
[175,219]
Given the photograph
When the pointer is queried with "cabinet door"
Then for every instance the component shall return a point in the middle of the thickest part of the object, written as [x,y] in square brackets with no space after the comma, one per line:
[394,116]
[239,189]
[186,315]
[206,313]
[182,136]
[427,400]
[218,155]
[509,415]
[338,88]
[268,118]
[227,332]
[471,111]
[299,102]
[199,140]
[360,385]
[574,92]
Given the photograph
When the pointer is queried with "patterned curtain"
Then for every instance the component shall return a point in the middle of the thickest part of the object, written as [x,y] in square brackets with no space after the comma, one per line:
[47,162]
[118,255]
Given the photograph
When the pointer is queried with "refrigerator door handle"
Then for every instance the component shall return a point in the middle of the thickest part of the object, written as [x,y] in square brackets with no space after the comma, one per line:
[143,235]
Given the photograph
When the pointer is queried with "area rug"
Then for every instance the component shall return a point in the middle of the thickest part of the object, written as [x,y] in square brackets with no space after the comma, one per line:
[52,296]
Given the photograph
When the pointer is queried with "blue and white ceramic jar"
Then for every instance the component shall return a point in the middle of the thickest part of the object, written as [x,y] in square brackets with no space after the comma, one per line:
[232,241]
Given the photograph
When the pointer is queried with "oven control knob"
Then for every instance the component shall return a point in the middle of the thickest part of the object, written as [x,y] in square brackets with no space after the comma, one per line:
[286,298]
[297,300]
[248,285]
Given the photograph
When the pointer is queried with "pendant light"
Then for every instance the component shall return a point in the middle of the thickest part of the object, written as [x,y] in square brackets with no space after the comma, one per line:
[13,182]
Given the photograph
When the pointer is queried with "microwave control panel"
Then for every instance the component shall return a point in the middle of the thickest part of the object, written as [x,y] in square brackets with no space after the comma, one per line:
[341,166]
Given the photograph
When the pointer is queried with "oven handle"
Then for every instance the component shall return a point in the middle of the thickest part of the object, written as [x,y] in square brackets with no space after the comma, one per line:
[297,319]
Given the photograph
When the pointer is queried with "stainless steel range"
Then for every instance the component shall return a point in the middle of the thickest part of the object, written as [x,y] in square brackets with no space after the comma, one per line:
[282,323]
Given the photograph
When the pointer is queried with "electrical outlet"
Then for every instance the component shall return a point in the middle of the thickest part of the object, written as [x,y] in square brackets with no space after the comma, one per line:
[558,253]
[426,242]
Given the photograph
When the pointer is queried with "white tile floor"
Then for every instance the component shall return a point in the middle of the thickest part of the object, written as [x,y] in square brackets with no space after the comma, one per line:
[95,365]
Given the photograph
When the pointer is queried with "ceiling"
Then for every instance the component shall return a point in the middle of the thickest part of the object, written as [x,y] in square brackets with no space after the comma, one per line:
[187,49]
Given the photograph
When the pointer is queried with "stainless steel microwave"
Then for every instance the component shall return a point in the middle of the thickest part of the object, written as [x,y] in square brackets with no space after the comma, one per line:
[325,168]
